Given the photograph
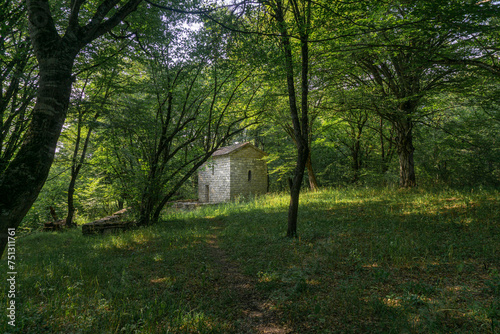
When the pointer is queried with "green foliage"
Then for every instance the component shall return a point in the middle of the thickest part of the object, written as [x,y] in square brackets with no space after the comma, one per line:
[53,194]
[368,260]
[18,79]
[189,101]
[456,126]
[460,149]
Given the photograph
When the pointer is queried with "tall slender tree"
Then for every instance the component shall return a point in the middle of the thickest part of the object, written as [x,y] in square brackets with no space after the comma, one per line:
[300,19]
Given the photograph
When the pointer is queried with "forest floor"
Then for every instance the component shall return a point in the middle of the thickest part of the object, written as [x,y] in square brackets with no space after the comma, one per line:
[258,316]
[366,261]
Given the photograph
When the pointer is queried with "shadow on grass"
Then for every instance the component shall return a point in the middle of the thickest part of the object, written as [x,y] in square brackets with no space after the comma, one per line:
[161,279]
[377,266]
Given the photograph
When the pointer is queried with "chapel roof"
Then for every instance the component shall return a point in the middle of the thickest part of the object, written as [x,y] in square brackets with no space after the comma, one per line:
[234,148]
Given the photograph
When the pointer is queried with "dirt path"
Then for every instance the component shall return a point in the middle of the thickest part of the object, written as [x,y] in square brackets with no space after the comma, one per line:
[258,316]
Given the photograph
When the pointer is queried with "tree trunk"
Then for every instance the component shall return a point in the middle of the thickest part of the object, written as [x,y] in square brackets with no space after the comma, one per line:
[144,214]
[313,183]
[295,185]
[356,159]
[404,142]
[147,205]
[300,124]
[23,179]
[71,203]
[77,166]
[384,166]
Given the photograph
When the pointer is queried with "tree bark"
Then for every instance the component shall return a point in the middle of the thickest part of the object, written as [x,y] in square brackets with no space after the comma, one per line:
[356,157]
[313,182]
[295,185]
[71,203]
[23,179]
[146,211]
[404,142]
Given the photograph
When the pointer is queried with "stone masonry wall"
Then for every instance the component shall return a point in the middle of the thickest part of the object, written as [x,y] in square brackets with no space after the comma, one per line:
[227,176]
[216,175]
[245,161]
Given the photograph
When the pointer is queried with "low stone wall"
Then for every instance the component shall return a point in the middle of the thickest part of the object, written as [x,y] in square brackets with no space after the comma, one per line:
[187,205]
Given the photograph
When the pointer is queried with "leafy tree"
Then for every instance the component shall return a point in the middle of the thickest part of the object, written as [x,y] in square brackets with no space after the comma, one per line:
[289,23]
[58,34]
[88,111]
[56,43]
[460,148]
[18,78]
[475,25]
[187,104]
[398,73]
[288,16]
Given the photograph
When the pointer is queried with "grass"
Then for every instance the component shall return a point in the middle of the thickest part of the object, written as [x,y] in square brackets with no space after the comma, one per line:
[367,261]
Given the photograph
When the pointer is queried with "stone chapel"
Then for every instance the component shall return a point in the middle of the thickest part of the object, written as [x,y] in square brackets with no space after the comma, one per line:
[232,171]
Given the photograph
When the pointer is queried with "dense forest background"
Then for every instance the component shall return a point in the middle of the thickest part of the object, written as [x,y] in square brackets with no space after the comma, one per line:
[395,94]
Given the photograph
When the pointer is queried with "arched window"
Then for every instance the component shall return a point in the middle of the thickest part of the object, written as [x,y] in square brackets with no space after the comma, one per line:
[249,175]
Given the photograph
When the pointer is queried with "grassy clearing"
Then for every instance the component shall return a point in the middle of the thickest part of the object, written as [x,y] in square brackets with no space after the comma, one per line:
[377,261]
[154,280]
[367,261]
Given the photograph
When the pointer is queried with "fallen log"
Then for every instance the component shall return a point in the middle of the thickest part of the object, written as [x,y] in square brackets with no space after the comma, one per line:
[108,224]
[54,226]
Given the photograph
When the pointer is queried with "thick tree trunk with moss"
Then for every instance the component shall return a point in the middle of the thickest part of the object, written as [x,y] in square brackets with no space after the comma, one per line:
[24,177]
